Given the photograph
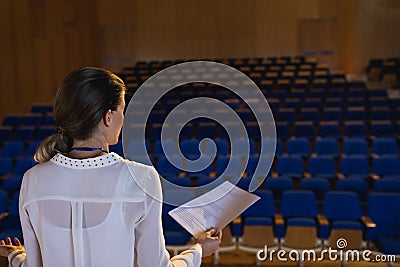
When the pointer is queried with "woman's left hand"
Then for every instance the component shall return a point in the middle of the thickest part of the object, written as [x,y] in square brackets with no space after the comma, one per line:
[6,247]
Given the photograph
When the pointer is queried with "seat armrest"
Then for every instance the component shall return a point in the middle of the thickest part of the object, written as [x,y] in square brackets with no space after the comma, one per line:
[340,175]
[322,220]
[374,176]
[3,215]
[238,220]
[307,175]
[279,219]
[368,222]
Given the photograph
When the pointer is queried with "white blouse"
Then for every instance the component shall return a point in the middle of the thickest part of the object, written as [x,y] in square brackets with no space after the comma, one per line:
[93,212]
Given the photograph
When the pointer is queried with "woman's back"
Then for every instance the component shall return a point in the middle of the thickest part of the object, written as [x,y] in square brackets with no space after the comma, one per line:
[85,212]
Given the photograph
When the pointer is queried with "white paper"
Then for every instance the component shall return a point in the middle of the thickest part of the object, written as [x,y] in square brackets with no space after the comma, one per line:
[199,214]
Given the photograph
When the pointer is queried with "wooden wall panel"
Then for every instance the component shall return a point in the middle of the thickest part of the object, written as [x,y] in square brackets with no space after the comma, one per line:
[46,39]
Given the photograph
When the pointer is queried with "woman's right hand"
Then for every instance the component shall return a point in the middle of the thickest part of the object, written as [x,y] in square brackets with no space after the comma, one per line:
[209,241]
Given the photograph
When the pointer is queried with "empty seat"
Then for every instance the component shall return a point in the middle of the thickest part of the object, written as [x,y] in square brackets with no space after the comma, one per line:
[355,146]
[33,119]
[12,120]
[353,185]
[290,166]
[12,149]
[356,114]
[355,129]
[385,185]
[385,146]
[382,129]
[277,186]
[326,147]
[322,167]
[387,232]
[24,133]
[304,129]
[354,167]
[333,114]
[387,167]
[6,166]
[317,185]
[310,114]
[298,147]
[330,129]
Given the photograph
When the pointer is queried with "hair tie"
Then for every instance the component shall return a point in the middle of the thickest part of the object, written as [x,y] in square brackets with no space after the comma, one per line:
[60,131]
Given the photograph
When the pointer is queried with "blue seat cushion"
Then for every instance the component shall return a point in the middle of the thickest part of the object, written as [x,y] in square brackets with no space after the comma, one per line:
[301,222]
[388,244]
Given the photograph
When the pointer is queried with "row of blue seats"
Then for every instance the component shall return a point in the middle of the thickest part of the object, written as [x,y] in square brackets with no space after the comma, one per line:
[342,215]
[294,146]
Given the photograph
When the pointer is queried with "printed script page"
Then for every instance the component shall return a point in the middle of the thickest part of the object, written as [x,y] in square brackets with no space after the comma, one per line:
[214,209]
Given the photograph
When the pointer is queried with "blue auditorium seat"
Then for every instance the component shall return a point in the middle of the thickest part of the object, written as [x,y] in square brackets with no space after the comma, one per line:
[354,167]
[322,167]
[12,149]
[326,147]
[385,147]
[355,146]
[318,186]
[298,147]
[290,166]
[386,167]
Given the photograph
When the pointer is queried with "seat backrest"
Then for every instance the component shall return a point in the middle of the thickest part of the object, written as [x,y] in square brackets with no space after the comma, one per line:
[298,203]
[321,165]
[387,219]
[342,206]
[353,165]
[264,207]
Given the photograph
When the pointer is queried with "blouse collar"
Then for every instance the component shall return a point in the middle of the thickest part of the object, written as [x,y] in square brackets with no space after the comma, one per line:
[89,163]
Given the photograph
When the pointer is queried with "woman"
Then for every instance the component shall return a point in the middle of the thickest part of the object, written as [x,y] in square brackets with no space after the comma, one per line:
[83,206]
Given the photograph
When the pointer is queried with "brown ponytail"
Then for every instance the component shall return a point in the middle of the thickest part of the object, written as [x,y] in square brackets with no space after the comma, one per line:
[81,102]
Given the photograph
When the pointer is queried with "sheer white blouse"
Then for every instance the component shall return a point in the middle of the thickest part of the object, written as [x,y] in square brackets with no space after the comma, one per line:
[93,212]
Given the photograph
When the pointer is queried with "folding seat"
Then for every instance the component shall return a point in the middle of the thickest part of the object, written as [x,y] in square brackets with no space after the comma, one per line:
[334,102]
[386,237]
[12,149]
[10,225]
[274,104]
[132,151]
[245,114]
[49,119]
[321,167]
[165,147]
[298,93]
[198,166]
[317,185]
[222,147]
[268,143]
[304,129]
[207,130]
[380,113]
[329,129]
[176,237]
[333,114]
[384,185]
[290,166]
[279,94]
[6,133]
[282,130]
[312,102]
[317,92]
[260,226]
[45,131]
[298,147]
[344,213]
[354,185]
[310,114]
[294,103]
[326,147]
[117,148]
[382,129]
[186,132]
[353,167]
[24,133]
[235,170]
[12,120]
[240,146]
[385,147]
[356,114]
[22,165]
[38,108]
[355,129]
[356,101]
[33,119]
[378,101]
[166,168]
[304,226]
[287,115]
[277,186]
[6,166]
[190,148]
[386,167]
[355,146]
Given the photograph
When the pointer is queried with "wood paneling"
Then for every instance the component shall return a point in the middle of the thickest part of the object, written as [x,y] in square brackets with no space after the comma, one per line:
[43,40]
